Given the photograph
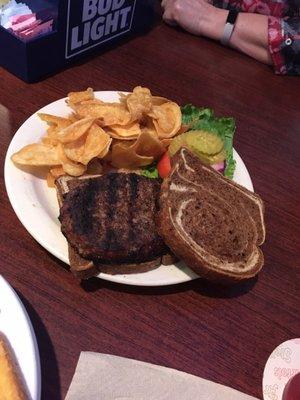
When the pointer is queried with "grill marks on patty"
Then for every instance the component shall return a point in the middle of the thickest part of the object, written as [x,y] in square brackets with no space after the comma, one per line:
[110,240]
[132,197]
[85,203]
[112,218]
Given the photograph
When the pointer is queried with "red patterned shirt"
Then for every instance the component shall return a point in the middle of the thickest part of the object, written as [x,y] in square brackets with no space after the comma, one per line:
[283,29]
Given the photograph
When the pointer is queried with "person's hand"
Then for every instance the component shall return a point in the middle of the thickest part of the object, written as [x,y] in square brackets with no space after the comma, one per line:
[198,17]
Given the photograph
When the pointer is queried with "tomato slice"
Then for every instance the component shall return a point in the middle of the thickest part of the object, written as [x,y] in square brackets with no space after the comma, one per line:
[164,166]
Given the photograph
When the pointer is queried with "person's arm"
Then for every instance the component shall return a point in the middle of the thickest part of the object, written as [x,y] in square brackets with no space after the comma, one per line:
[250,34]
[283,31]
[284,44]
[269,39]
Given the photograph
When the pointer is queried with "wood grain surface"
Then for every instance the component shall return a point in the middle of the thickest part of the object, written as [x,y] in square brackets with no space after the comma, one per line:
[222,334]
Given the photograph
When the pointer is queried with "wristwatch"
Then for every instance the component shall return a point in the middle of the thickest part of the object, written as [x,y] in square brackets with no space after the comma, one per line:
[229,27]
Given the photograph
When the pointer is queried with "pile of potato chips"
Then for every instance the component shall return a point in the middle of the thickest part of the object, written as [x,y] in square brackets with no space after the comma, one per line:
[130,134]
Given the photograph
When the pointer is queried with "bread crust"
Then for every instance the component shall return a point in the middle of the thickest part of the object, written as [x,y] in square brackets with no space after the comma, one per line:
[173,238]
[196,263]
[85,269]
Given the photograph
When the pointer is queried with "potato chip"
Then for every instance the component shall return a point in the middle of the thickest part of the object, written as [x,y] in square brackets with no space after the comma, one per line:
[117,137]
[50,180]
[123,98]
[75,131]
[96,144]
[131,130]
[57,171]
[51,119]
[53,174]
[93,144]
[149,145]
[54,121]
[74,150]
[52,131]
[106,113]
[124,156]
[94,101]
[37,154]
[95,167]
[74,169]
[158,101]
[86,103]
[139,102]
[107,158]
[50,140]
[78,97]
[69,166]
[148,125]
[129,134]
[166,119]
[73,117]
[105,151]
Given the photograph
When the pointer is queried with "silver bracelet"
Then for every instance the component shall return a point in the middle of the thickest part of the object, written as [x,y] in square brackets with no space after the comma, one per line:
[229,27]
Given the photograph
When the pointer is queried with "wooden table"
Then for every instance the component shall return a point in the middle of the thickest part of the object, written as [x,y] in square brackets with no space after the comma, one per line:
[225,335]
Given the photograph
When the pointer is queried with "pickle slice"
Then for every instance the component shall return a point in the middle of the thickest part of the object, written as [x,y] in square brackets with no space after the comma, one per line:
[204,142]
[177,142]
[206,145]
[210,160]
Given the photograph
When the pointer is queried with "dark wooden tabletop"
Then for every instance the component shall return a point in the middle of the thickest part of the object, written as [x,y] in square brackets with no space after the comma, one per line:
[222,334]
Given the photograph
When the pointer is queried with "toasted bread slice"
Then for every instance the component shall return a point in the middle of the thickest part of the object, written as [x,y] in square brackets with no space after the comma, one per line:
[210,222]
[12,386]
[85,268]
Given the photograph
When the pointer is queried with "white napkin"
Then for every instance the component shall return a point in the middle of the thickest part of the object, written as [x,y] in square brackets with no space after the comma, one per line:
[106,377]
[10,9]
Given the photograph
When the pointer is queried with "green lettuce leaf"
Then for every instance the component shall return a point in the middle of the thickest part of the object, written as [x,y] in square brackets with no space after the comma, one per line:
[150,171]
[204,119]
[192,114]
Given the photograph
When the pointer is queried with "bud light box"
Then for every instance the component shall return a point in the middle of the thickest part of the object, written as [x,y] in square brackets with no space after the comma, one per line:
[40,37]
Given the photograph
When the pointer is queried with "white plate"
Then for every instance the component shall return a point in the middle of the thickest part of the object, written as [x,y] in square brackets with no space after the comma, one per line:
[16,326]
[36,205]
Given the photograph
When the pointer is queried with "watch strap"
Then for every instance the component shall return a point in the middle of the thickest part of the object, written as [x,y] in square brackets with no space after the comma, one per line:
[229,27]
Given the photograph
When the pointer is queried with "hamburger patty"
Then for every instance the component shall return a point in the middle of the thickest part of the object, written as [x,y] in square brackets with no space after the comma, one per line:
[111,218]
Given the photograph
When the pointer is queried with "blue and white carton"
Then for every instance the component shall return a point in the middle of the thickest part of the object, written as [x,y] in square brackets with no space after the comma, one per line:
[41,37]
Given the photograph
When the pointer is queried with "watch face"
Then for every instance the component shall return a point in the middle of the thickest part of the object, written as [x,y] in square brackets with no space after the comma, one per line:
[232,16]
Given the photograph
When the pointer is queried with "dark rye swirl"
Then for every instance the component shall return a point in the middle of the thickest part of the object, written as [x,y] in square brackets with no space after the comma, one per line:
[210,222]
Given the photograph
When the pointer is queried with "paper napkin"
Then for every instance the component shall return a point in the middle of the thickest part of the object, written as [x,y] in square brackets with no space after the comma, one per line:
[107,377]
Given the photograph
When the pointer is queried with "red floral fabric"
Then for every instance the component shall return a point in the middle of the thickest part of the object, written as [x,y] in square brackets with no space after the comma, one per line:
[283,29]
[276,40]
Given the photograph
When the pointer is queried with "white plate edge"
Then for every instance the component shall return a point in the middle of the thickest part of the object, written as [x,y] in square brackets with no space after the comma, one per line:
[34,345]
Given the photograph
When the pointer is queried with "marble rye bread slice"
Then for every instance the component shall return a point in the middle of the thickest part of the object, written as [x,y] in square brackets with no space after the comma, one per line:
[213,224]
[109,224]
